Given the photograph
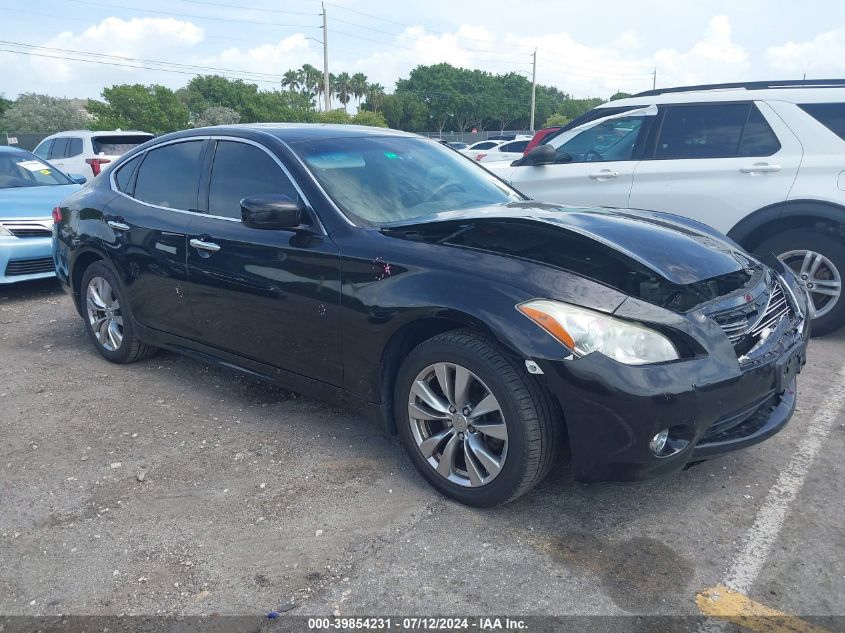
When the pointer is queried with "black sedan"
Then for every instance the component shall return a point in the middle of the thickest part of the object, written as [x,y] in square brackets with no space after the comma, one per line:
[384,270]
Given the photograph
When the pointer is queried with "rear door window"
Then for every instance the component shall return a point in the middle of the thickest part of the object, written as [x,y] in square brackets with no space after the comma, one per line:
[831,115]
[118,145]
[484,145]
[758,139]
[702,131]
[241,170]
[514,146]
[74,147]
[169,176]
[59,148]
[123,176]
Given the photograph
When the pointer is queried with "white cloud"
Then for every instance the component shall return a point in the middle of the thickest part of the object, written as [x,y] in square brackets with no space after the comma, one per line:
[139,38]
[825,52]
[715,58]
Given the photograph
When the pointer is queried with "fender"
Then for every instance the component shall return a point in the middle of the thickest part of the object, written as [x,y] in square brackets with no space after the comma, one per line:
[747,231]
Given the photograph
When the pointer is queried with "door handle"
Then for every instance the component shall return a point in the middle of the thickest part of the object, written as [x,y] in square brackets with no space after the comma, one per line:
[760,168]
[118,226]
[211,247]
[604,173]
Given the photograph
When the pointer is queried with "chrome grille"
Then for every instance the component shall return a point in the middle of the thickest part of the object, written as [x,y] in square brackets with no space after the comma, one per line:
[739,326]
[35,228]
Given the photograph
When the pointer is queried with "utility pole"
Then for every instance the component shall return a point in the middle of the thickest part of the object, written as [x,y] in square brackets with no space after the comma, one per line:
[326,90]
[533,89]
[654,79]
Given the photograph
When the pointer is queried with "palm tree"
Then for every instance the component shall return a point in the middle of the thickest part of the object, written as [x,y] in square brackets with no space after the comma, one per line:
[342,88]
[312,79]
[358,84]
[375,96]
[290,80]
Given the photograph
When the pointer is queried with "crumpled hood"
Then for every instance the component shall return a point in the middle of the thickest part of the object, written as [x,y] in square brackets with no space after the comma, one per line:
[660,258]
[19,203]
[679,250]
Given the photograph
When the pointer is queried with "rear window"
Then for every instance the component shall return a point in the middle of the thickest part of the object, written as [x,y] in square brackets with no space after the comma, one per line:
[831,115]
[514,146]
[118,145]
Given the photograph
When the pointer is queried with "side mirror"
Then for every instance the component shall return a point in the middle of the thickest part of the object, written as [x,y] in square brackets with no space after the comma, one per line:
[79,179]
[540,155]
[271,212]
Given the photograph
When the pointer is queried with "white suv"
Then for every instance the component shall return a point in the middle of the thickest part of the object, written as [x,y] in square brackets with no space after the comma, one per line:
[84,152]
[762,162]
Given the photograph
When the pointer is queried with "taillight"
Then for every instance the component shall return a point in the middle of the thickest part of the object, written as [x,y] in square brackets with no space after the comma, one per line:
[57,215]
[96,164]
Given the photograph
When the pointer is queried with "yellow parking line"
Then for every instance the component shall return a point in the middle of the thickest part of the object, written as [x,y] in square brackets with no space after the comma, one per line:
[727,604]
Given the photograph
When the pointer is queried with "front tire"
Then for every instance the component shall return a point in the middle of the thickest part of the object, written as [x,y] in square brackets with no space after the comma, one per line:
[476,425]
[819,262]
[107,320]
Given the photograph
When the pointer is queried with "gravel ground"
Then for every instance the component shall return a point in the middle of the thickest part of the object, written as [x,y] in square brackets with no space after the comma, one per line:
[171,487]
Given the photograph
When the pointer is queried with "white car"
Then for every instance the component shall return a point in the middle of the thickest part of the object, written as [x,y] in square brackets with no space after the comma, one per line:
[763,162]
[85,152]
[507,151]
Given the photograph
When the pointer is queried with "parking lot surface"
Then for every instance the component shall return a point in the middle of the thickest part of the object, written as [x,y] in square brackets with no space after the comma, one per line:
[172,487]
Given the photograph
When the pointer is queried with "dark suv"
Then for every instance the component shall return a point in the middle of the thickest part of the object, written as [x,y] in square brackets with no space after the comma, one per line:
[379,268]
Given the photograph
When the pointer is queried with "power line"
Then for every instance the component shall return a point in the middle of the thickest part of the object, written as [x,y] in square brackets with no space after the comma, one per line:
[229,6]
[191,15]
[139,59]
[139,66]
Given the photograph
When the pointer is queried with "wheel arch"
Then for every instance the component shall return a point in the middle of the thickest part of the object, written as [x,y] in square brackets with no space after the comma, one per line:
[81,261]
[414,332]
[768,221]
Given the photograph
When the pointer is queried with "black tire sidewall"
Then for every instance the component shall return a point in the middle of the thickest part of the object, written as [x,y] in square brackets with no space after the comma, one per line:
[502,488]
[819,242]
[122,353]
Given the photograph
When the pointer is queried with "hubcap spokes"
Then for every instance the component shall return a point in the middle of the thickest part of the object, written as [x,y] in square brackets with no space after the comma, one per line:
[104,313]
[818,275]
[458,424]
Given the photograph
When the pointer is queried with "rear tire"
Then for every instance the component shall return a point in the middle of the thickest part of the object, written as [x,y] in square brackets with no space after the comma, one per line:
[495,457]
[107,319]
[821,258]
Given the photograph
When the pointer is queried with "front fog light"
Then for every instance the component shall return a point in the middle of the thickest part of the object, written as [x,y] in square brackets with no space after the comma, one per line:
[658,442]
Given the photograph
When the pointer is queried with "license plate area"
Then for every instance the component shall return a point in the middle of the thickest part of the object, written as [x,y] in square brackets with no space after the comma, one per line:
[787,368]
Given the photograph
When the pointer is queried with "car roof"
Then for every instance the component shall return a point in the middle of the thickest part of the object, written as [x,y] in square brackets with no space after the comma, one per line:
[294,132]
[826,91]
[8,149]
[97,133]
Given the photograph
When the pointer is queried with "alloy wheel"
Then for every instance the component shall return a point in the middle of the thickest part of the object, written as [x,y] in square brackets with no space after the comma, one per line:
[104,313]
[458,424]
[818,275]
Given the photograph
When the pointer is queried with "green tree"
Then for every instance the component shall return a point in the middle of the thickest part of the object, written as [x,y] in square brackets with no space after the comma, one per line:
[358,85]
[5,104]
[206,91]
[291,80]
[338,115]
[619,95]
[32,112]
[557,120]
[342,87]
[153,108]
[365,117]
[405,111]
[217,115]
[375,98]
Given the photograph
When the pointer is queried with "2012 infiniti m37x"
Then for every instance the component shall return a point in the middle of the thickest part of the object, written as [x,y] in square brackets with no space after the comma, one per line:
[379,268]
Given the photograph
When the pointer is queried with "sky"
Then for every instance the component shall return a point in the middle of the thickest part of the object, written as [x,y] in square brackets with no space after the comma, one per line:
[588,49]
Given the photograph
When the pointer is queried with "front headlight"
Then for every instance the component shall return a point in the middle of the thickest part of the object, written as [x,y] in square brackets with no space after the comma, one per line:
[585,331]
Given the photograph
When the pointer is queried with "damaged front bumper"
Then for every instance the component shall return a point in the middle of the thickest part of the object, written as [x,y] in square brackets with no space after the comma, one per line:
[709,407]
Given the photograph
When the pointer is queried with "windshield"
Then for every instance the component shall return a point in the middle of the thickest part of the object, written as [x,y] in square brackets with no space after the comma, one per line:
[380,180]
[25,170]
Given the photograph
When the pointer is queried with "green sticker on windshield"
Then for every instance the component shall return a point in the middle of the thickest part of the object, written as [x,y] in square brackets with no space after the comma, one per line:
[391,155]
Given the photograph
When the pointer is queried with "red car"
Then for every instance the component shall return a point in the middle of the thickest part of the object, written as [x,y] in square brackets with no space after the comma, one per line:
[539,135]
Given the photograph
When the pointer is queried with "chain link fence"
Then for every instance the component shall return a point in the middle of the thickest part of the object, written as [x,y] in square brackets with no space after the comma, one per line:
[24,140]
